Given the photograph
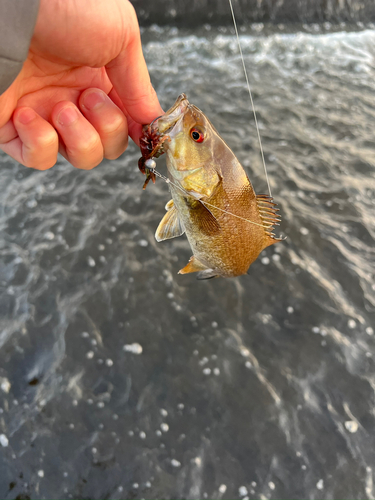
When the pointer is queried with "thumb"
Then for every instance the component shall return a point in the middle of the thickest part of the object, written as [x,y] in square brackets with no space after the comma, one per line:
[130,78]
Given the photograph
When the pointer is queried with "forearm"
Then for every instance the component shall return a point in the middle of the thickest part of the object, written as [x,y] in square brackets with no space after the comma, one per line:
[17,22]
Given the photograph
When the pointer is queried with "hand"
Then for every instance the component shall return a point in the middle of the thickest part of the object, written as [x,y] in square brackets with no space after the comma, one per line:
[82,89]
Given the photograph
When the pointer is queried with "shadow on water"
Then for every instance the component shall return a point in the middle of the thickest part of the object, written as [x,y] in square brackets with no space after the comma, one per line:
[120,378]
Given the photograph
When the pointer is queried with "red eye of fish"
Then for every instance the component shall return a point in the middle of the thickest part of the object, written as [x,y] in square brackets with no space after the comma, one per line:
[196,135]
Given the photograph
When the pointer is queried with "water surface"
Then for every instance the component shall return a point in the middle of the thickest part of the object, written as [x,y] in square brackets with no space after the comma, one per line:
[120,378]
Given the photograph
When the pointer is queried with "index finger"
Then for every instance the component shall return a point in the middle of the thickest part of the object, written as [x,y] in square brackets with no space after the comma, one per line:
[130,78]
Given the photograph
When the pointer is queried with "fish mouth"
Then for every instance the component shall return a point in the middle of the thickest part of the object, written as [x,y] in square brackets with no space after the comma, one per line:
[164,124]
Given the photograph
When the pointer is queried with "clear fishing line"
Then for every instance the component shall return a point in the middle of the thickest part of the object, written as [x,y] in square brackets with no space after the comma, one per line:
[266,225]
[206,204]
[250,95]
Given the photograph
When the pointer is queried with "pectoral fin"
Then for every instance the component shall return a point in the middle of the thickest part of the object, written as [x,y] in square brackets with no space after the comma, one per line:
[203,219]
[171,225]
[207,274]
[169,205]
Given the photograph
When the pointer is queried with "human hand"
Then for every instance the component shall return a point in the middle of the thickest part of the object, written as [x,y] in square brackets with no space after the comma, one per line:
[82,89]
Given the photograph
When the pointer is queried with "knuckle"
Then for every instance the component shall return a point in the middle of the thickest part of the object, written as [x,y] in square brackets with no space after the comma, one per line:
[47,141]
[146,93]
[89,148]
[114,155]
[114,152]
[83,165]
[46,165]
[41,165]
[85,155]
[117,126]
[42,155]
[42,146]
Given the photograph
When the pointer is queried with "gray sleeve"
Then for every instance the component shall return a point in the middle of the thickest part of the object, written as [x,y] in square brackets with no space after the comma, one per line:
[17,22]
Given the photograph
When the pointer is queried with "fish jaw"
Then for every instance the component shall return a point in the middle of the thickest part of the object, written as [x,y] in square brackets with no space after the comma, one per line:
[165,123]
[154,136]
[169,127]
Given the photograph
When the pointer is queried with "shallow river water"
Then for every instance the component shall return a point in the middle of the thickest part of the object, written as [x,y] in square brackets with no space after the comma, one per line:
[120,378]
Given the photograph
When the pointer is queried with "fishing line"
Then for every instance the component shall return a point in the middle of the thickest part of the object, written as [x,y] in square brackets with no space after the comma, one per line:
[205,203]
[250,95]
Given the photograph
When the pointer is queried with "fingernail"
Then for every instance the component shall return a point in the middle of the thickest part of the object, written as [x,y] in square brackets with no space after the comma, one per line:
[26,115]
[67,116]
[93,100]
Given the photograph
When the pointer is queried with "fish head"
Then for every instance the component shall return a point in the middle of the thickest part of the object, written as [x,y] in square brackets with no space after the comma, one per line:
[191,147]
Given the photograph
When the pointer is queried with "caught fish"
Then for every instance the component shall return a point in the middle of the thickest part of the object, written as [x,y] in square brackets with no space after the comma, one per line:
[213,201]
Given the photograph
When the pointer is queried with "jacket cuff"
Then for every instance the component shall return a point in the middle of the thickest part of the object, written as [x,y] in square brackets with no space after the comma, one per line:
[17,23]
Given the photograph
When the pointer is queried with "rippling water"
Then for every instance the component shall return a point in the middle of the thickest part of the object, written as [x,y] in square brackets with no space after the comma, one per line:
[120,378]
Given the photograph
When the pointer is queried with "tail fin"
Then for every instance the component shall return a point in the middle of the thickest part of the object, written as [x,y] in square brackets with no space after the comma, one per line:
[270,218]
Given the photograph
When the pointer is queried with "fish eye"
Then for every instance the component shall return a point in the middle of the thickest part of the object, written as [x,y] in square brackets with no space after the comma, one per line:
[197,135]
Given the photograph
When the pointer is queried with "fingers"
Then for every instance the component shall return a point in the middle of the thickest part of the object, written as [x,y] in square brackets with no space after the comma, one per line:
[107,119]
[98,129]
[8,132]
[30,140]
[81,144]
[130,78]
[134,128]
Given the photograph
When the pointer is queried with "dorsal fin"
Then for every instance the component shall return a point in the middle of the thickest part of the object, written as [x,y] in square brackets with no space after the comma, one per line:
[171,225]
[268,213]
[194,265]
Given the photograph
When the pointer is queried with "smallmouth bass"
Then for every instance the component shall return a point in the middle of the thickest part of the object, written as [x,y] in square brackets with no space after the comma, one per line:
[213,201]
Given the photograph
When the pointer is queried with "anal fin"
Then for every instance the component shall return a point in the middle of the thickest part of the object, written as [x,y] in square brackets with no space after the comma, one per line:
[194,265]
[171,225]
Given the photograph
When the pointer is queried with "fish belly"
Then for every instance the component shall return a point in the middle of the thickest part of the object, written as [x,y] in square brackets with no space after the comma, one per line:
[230,250]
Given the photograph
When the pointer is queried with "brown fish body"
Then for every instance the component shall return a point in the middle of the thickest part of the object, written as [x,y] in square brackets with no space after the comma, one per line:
[214,203]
